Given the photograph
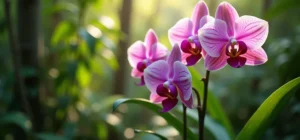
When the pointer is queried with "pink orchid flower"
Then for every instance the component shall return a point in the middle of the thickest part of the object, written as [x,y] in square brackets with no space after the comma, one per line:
[234,40]
[185,32]
[168,78]
[142,54]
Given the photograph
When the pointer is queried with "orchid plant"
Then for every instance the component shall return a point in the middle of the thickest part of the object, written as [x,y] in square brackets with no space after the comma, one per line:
[224,39]
[142,54]
[167,79]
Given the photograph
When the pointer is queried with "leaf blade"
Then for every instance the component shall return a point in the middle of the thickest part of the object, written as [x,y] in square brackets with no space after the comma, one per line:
[18,119]
[264,115]
[150,132]
[170,118]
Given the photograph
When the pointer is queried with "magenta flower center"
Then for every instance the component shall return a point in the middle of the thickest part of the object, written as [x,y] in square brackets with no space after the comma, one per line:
[167,90]
[234,50]
[194,51]
[141,66]
[193,48]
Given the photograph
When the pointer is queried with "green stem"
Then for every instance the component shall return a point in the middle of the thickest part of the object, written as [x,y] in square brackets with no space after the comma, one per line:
[184,123]
[201,121]
[198,108]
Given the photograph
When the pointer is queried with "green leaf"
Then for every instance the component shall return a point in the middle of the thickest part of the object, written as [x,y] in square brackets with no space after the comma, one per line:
[83,75]
[268,110]
[63,32]
[62,6]
[213,105]
[108,102]
[102,130]
[170,118]
[49,136]
[89,39]
[150,132]
[18,119]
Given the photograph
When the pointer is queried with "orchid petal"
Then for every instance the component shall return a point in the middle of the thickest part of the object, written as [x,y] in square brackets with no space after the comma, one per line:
[150,40]
[136,73]
[227,13]
[215,63]
[136,53]
[205,20]
[213,36]
[200,10]
[174,56]
[183,80]
[182,30]
[168,104]
[256,57]
[155,74]
[203,52]
[252,31]
[155,98]
[159,52]
[188,103]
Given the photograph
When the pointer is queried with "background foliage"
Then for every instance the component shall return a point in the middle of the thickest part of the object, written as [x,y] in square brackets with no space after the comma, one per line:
[78,54]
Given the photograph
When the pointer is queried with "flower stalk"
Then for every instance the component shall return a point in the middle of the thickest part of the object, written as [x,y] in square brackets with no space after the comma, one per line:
[203,109]
[198,108]
[184,123]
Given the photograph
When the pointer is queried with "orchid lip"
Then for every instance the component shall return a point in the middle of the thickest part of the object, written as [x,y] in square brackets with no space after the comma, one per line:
[192,51]
[193,48]
[235,48]
[170,91]
[196,49]
[141,66]
[234,51]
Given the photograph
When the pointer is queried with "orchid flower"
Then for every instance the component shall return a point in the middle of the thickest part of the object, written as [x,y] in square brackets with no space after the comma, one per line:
[234,40]
[142,54]
[168,78]
[185,32]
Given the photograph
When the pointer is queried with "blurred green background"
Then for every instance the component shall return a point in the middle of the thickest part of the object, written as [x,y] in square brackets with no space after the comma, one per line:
[74,65]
